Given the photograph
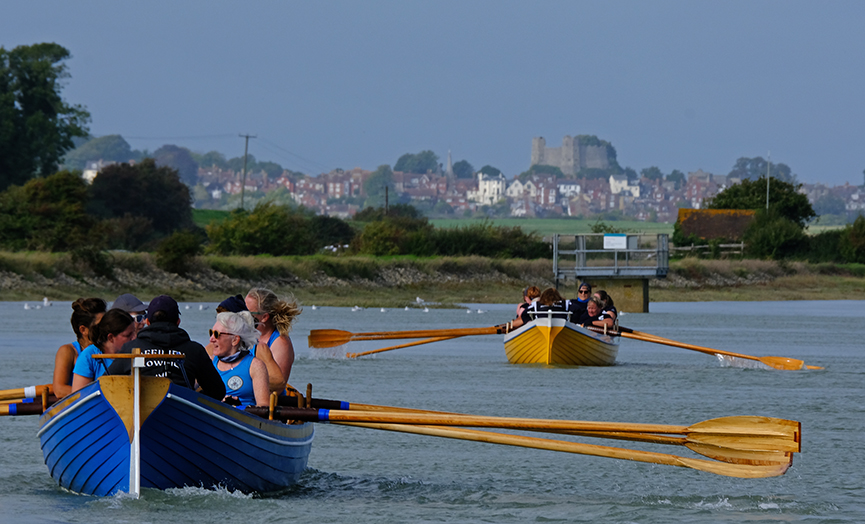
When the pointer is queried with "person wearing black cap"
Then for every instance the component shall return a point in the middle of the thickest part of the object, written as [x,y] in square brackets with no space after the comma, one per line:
[136,309]
[163,334]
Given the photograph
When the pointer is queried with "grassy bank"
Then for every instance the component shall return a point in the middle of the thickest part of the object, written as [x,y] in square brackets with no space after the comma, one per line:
[396,282]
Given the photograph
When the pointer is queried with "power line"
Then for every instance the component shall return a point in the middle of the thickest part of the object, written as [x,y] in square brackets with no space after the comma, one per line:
[322,166]
[193,137]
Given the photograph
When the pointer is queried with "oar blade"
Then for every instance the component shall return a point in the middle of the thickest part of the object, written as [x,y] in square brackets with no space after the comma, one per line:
[744,471]
[740,456]
[749,425]
[785,363]
[328,338]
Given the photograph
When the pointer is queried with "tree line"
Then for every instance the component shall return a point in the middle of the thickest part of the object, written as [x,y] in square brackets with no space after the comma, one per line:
[778,229]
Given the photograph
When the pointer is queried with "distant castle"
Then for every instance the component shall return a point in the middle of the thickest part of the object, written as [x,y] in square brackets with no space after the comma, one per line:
[583,151]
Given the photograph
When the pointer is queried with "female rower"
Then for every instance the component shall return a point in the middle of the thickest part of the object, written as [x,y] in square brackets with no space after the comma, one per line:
[107,336]
[244,375]
[607,304]
[274,317]
[531,294]
[594,315]
[236,304]
[85,312]
[550,299]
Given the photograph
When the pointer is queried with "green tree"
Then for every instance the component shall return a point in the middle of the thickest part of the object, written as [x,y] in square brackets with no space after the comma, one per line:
[36,124]
[47,214]
[272,169]
[267,229]
[177,253]
[375,184]
[371,214]
[541,169]
[463,169]
[830,205]
[180,159]
[211,158]
[144,191]
[784,198]
[490,170]
[652,173]
[852,242]
[417,163]
[757,167]
[110,148]
[236,164]
[677,177]
[329,230]
[774,236]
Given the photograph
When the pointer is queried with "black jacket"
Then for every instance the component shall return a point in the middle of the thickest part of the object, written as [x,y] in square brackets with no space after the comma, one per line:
[165,337]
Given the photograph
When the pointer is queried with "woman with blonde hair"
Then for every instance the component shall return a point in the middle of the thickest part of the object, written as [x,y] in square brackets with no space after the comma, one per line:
[244,375]
[274,317]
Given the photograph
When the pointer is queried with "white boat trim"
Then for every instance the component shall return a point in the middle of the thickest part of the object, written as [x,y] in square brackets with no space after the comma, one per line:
[67,412]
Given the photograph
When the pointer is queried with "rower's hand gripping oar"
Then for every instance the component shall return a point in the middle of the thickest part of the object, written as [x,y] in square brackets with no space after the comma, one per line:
[784,363]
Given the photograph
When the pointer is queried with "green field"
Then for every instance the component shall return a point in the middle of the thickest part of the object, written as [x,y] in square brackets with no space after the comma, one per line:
[203,217]
[563,226]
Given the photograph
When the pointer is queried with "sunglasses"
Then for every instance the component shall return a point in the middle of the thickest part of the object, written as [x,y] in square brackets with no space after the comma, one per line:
[217,334]
[584,292]
[137,317]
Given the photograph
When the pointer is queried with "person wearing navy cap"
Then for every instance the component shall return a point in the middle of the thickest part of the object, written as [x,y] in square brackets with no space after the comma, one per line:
[163,334]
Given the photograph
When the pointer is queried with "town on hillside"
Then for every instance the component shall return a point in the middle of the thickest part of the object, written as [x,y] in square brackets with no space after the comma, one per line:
[574,181]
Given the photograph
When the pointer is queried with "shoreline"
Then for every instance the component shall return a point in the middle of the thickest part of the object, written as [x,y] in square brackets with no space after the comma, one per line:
[396,282]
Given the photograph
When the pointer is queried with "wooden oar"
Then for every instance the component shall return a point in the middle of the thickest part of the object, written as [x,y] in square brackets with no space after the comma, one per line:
[28,392]
[736,426]
[784,363]
[710,438]
[718,468]
[30,406]
[326,338]
[419,342]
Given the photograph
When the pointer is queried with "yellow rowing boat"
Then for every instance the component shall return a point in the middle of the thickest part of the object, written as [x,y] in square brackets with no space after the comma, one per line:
[551,339]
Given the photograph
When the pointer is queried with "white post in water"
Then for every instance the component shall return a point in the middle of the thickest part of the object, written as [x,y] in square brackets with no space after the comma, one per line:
[135,446]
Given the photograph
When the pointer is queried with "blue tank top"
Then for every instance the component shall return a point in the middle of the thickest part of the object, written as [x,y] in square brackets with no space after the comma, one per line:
[273,336]
[77,348]
[238,382]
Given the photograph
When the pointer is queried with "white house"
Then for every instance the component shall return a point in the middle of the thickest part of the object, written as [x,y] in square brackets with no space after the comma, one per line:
[490,190]
[621,184]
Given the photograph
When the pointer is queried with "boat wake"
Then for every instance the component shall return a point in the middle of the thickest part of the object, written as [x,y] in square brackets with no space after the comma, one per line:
[736,362]
[336,352]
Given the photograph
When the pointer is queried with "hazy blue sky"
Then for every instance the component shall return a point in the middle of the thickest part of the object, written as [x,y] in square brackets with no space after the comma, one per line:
[676,84]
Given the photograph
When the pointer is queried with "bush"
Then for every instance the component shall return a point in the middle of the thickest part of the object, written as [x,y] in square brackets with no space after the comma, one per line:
[269,229]
[94,259]
[177,252]
[852,242]
[773,236]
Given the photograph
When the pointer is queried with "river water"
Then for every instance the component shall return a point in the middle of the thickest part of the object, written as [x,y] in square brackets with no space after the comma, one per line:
[362,475]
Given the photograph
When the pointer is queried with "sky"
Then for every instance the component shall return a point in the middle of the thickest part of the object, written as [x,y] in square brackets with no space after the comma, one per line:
[681,85]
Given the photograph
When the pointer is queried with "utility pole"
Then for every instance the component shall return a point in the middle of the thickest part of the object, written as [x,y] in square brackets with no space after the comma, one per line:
[245,151]
[768,171]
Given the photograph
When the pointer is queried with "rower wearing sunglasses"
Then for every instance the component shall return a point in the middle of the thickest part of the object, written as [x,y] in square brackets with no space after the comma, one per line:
[244,376]
[578,305]
[136,309]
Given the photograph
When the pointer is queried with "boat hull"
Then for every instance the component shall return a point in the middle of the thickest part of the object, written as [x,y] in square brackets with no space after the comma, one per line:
[186,439]
[551,340]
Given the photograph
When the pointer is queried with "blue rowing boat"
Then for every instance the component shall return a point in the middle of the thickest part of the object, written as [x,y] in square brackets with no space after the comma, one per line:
[92,444]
